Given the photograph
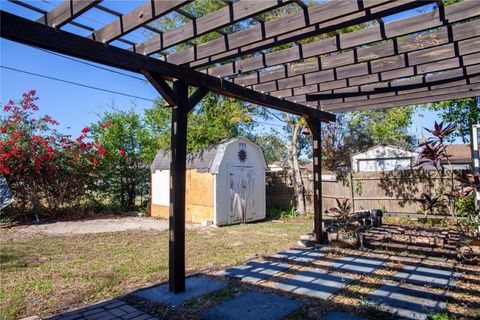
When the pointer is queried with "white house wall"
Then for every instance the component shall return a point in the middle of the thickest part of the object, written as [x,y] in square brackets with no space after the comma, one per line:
[383,158]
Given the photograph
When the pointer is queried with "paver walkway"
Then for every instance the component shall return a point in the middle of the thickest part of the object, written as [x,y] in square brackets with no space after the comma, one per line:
[405,294]
[107,310]
[314,283]
[356,264]
[408,301]
[253,305]
[255,270]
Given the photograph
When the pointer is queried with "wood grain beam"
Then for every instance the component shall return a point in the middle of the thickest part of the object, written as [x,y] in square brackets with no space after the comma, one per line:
[66,12]
[162,87]
[136,18]
[25,31]
[317,19]
[230,14]
[348,59]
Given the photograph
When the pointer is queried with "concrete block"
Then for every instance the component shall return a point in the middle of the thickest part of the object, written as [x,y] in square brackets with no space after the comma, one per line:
[253,305]
[314,283]
[255,270]
[299,255]
[357,264]
[195,287]
[428,276]
[335,315]
[408,301]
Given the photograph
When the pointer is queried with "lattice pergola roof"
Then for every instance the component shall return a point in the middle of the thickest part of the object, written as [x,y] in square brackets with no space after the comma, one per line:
[422,58]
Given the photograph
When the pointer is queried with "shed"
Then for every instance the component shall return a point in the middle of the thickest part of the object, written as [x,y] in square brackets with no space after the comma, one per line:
[383,158]
[225,183]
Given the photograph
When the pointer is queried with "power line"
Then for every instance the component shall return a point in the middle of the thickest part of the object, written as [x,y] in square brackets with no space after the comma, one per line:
[76,83]
[90,64]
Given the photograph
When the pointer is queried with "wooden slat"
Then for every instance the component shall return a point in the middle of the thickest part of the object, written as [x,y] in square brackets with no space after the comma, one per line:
[453,94]
[350,40]
[471,82]
[223,17]
[139,16]
[325,78]
[317,19]
[395,63]
[22,30]
[66,12]
[450,68]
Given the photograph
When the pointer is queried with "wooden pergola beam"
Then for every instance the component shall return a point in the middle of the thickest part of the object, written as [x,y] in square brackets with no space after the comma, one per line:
[419,98]
[230,14]
[325,83]
[361,38]
[421,83]
[66,12]
[314,20]
[465,88]
[22,30]
[136,18]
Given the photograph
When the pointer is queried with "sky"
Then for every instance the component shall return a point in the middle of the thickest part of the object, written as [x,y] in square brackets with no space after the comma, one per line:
[75,107]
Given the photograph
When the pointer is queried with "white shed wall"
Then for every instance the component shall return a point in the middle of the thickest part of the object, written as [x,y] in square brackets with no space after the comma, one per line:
[230,159]
[161,187]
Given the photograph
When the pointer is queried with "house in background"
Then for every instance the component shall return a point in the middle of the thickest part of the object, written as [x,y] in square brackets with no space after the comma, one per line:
[225,184]
[383,158]
[460,157]
[392,158]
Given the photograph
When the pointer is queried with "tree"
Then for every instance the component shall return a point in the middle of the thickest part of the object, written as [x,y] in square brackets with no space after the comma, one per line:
[464,113]
[124,170]
[354,132]
[273,146]
[215,119]
[44,168]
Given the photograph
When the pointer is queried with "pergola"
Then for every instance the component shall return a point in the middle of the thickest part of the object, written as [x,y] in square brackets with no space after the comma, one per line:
[426,57]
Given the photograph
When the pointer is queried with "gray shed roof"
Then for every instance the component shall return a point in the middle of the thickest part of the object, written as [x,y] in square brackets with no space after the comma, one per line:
[202,160]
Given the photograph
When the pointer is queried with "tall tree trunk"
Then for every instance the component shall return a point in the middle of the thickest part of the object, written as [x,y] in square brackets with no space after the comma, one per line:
[298,186]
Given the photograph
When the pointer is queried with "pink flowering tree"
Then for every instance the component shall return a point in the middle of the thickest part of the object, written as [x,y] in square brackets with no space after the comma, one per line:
[46,170]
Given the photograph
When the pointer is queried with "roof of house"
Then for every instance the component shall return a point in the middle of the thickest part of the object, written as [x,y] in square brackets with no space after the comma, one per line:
[202,160]
[382,146]
[459,153]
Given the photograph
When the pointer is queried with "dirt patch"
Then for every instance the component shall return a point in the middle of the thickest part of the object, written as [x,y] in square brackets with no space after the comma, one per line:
[87,227]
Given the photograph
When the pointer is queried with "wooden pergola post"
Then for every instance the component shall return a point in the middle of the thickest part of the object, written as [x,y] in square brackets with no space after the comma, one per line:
[178,167]
[315,128]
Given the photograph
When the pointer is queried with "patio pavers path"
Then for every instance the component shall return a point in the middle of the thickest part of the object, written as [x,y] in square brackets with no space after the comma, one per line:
[255,270]
[195,287]
[253,305]
[299,255]
[356,264]
[407,301]
[428,276]
[314,283]
[107,310]
[335,315]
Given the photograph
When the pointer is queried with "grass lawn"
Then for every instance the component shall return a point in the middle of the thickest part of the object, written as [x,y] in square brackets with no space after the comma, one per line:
[48,274]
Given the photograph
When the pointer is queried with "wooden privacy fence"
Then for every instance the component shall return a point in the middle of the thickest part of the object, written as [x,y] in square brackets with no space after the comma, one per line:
[393,192]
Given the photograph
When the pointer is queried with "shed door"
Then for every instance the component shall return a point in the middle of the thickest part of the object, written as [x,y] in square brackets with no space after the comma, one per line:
[242,194]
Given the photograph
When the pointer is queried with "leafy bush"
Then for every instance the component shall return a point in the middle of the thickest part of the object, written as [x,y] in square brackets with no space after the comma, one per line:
[276,213]
[465,206]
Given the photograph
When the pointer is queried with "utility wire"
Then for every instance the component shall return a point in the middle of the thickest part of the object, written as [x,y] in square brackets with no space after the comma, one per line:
[91,64]
[76,83]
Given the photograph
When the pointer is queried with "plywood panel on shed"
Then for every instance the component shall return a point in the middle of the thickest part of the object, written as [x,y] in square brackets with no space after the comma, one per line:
[199,198]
